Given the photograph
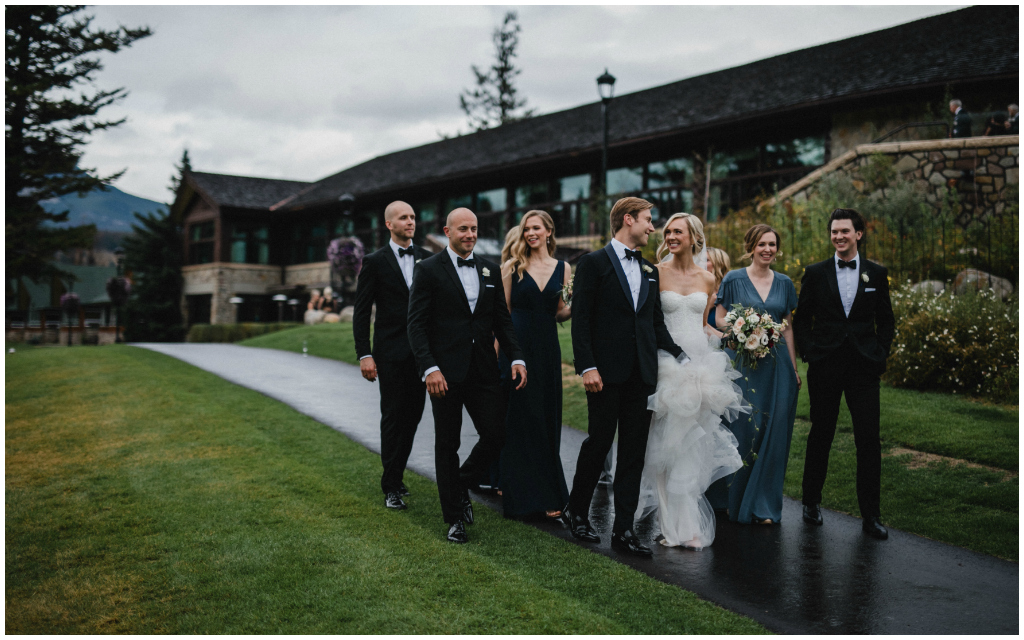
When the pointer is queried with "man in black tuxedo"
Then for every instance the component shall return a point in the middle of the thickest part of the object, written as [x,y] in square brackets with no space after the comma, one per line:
[844,328]
[617,328]
[961,120]
[456,310]
[385,280]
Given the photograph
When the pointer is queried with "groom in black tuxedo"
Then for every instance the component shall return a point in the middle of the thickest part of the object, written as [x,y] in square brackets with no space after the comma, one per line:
[844,328]
[385,280]
[456,310]
[617,328]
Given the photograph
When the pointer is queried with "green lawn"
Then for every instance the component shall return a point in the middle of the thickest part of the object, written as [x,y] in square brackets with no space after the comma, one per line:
[146,496]
[974,508]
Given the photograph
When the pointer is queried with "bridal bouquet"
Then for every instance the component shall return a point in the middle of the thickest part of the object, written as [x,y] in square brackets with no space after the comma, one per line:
[750,334]
[566,292]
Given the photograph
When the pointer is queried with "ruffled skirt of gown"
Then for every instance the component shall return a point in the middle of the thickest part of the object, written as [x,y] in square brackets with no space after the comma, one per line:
[689,445]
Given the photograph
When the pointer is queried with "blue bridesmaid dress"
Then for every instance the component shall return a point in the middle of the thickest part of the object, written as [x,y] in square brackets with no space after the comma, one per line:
[754,493]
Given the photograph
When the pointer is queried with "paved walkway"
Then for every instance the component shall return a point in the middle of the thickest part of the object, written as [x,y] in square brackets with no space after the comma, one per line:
[792,578]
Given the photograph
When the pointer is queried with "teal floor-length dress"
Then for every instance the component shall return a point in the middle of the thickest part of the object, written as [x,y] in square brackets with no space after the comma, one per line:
[754,493]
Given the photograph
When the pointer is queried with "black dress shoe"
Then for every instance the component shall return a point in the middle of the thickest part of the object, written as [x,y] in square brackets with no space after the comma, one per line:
[467,510]
[394,501]
[579,526]
[457,533]
[629,543]
[812,514]
[403,491]
[873,527]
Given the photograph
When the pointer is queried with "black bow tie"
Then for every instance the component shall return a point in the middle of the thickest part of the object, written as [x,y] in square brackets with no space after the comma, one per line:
[406,252]
[466,263]
[634,255]
[852,264]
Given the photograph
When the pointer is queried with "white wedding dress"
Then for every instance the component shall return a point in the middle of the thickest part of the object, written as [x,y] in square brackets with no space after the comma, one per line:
[689,447]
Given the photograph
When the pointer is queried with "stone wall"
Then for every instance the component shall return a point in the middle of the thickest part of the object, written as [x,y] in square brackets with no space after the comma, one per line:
[980,169]
[223,280]
[313,274]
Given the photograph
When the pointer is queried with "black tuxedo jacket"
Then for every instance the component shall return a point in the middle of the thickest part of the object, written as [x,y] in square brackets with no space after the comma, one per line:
[961,125]
[443,332]
[820,325]
[381,282]
[606,331]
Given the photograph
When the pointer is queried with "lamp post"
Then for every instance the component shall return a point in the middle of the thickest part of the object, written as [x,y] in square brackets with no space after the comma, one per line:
[606,89]
[119,256]
[294,304]
[236,300]
[280,299]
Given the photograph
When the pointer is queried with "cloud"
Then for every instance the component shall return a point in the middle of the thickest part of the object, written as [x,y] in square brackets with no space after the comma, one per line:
[303,92]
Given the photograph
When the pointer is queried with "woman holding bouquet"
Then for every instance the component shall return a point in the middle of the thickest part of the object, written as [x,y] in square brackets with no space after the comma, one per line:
[532,480]
[770,384]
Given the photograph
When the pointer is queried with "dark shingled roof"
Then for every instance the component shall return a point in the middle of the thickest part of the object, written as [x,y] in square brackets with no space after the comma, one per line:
[245,192]
[969,44]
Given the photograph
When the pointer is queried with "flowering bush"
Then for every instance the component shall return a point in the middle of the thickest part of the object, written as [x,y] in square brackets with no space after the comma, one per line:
[963,344]
[749,334]
[346,256]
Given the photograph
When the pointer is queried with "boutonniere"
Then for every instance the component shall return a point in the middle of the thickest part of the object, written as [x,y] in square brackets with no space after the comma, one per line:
[486,272]
[419,260]
[864,277]
[648,269]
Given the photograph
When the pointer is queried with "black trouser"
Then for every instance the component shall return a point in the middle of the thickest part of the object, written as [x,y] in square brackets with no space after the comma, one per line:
[844,371]
[616,405]
[402,396]
[481,394]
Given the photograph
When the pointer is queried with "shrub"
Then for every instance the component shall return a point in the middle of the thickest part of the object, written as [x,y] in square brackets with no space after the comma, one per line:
[234,332]
[962,344]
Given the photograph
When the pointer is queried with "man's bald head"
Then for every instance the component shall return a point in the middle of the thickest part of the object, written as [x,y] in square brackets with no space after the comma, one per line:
[400,219]
[460,227]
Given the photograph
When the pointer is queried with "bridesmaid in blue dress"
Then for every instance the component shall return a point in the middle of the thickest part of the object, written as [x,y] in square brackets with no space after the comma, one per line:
[532,480]
[754,493]
[719,265]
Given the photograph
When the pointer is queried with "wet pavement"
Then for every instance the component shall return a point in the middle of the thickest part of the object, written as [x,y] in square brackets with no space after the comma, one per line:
[791,577]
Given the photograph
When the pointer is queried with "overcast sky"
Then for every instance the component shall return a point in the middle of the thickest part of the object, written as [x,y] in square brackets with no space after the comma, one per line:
[304,92]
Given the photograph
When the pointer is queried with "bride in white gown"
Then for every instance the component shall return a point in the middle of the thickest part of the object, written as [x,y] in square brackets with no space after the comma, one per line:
[689,447]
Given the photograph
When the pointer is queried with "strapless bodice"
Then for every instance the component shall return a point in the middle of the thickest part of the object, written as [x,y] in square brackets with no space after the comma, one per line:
[684,317]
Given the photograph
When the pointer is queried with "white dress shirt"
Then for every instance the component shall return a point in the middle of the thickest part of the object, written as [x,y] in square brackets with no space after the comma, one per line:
[470,279]
[847,279]
[631,268]
[406,263]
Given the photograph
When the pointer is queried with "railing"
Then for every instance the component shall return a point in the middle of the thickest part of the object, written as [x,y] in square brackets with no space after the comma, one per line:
[914,125]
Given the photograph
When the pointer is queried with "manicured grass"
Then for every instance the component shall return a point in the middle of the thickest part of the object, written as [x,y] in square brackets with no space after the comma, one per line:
[146,496]
[333,341]
[974,508]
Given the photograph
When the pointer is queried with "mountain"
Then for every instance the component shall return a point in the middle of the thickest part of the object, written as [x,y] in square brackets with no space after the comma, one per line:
[109,210]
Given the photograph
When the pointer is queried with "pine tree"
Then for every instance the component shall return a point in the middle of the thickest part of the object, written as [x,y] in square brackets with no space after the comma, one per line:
[154,255]
[49,57]
[494,102]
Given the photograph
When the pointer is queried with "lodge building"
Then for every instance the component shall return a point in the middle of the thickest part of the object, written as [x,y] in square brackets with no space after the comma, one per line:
[706,144]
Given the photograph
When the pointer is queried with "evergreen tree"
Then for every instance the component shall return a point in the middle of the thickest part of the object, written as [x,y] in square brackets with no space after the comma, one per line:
[154,255]
[494,102]
[50,55]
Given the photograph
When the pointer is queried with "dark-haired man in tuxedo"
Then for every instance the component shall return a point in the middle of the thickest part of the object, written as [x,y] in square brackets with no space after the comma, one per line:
[385,280]
[844,328]
[456,310]
[617,328]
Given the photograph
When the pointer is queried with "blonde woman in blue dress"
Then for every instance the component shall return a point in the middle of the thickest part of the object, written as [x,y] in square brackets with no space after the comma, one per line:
[689,447]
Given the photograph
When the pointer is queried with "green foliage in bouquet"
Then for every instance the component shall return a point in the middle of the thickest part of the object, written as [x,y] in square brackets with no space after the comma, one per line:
[963,344]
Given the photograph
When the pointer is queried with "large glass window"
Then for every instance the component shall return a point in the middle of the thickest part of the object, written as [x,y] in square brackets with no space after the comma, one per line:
[309,242]
[200,249]
[574,188]
[493,200]
[458,201]
[531,194]
[670,173]
[801,152]
[250,245]
[625,180]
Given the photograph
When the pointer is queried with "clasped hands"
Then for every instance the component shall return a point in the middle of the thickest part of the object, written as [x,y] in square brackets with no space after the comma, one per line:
[437,385]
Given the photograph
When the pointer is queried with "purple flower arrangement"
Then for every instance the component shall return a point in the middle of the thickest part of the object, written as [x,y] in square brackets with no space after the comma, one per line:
[346,256]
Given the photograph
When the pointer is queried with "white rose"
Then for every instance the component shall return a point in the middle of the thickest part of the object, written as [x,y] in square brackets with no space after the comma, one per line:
[752,343]
[754,318]
[740,337]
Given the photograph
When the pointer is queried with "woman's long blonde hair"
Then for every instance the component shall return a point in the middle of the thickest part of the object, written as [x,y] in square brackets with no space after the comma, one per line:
[695,227]
[720,264]
[510,238]
[520,251]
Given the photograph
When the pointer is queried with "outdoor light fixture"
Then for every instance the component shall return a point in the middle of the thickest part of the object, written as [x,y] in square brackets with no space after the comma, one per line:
[606,86]
[294,304]
[235,300]
[280,300]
